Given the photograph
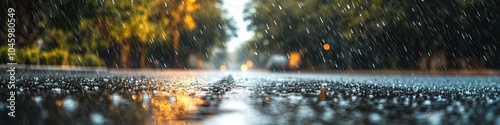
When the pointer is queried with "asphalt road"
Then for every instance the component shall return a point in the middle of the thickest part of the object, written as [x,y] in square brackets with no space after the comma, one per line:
[250,98]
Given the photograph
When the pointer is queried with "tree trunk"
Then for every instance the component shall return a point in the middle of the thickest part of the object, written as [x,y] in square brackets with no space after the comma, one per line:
[124,56]
[394,63]
[349,61]
[143,58]
[176,47]
[176,39]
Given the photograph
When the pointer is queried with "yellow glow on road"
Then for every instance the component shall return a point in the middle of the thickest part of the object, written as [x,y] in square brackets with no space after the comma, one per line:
[326,46]
[58,102]
[249,64]
[166,110]
[267,99]
[222,67]
[244,67]
[134,97]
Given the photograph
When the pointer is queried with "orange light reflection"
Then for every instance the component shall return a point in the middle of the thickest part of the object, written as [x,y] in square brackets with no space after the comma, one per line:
[174,104]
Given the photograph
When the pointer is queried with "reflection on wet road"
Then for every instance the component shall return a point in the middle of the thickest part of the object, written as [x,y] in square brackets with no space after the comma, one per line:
[110,99]
[253,98]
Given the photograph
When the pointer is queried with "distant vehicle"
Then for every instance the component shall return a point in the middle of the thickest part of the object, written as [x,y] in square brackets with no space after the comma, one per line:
[277,63]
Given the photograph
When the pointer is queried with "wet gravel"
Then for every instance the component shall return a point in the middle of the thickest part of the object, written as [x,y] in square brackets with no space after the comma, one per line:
[251,98]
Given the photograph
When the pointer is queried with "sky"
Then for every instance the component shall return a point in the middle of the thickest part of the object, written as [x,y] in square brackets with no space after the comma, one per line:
[235,10]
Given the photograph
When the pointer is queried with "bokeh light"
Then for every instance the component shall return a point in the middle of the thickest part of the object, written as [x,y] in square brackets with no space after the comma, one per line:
[244,67]
[326,46]
[222,67]
[249,64]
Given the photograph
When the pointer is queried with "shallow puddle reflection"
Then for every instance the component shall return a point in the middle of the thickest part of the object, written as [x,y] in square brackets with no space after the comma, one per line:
[136,100]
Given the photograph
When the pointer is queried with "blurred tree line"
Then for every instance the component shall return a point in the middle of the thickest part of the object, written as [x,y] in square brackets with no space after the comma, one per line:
[377,34]
[116,33]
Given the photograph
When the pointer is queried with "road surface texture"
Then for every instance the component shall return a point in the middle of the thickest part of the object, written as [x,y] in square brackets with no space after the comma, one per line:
[250,98]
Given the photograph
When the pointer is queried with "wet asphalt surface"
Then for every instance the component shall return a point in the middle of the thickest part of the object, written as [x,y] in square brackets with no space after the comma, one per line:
[250,98]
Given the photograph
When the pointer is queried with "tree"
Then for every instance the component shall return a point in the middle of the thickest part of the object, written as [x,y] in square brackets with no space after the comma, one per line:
[124,33]
[316,22]
[48,28]
[197,27]
[123,24]
[212,31]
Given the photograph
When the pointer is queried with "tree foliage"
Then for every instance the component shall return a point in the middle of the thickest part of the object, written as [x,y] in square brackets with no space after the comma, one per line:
[120,33]
[375,33]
